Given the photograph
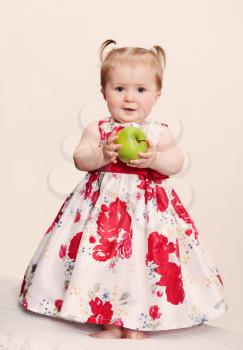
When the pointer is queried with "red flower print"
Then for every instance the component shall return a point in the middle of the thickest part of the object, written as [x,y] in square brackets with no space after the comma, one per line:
[177,248]
[158,248]
[182,213]
[22,286]
[116,129]
[113,218]
[77,217]
[62,251]
[89,193]
[25,304]
[106,250]
[158,251]
[92,239]
[179,208]
[102,312]
[162,199]
[58,304]
[159,294]
[101,130]
[146,181]
[112,265]
[74,245]
[188,232]
[220,279]
[125,246]
[154,312]
[104,135]
[118,322]
[59,214]
[195,230]
[156,176]
[145,185]
[57,218]
[111,221]
[172,279]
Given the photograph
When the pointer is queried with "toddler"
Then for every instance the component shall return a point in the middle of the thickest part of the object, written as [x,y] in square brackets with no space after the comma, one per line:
[123,252]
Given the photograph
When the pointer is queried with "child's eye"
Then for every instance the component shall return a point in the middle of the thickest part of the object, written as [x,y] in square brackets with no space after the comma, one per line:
[141,89]
[119,88]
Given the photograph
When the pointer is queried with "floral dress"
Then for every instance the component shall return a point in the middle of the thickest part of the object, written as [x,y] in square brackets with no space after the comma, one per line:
[123,250]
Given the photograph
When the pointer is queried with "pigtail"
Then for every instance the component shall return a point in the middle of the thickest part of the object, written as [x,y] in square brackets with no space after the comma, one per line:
[103,46]
[160,53]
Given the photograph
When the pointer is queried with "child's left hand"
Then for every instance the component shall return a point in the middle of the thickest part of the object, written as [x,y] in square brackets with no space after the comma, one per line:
[146,159]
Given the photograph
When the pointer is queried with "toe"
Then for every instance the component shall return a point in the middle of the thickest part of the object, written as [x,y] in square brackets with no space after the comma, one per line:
[132,334]
[94,334]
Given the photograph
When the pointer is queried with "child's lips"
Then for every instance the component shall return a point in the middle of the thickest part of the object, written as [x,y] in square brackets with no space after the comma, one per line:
[129,109]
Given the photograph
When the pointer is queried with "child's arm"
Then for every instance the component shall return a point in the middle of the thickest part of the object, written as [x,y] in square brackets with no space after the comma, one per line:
[169,158]
[88,155]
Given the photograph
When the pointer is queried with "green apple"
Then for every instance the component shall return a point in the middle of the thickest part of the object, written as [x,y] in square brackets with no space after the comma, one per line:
[133,141]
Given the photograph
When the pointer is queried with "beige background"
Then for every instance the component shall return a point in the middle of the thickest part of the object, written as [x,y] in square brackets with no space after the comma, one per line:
[50,91]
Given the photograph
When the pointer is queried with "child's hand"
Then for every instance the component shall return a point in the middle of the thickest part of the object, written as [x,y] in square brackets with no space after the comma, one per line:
[146,159]
[109,148]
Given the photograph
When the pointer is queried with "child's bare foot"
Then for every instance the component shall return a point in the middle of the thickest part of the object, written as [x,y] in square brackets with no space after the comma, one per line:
[133,334]
[109,332]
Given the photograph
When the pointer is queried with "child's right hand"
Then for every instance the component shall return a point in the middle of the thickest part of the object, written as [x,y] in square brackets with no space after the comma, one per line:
[109,148]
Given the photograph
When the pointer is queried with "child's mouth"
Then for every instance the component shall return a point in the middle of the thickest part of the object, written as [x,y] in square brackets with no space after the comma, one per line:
[129,109]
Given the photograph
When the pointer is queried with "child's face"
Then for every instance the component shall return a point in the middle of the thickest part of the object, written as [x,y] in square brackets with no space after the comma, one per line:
[129,87]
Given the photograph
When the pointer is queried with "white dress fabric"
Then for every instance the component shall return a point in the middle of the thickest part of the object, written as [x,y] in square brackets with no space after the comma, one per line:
[123,250]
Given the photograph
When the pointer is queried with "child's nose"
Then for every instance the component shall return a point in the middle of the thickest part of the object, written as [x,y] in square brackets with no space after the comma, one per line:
[129,96]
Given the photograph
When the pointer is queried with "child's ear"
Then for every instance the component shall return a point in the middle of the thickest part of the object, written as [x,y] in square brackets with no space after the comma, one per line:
[103,93]
[157,95]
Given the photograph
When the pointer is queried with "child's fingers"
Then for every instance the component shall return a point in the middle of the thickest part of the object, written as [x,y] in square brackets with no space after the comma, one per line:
[112,153]
[145,155]
[113,146]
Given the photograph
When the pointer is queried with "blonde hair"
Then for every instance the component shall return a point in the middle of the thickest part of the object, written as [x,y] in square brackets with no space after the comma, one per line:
[155,58]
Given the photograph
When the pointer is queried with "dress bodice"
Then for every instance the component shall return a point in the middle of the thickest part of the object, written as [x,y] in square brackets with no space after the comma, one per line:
[152,129]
